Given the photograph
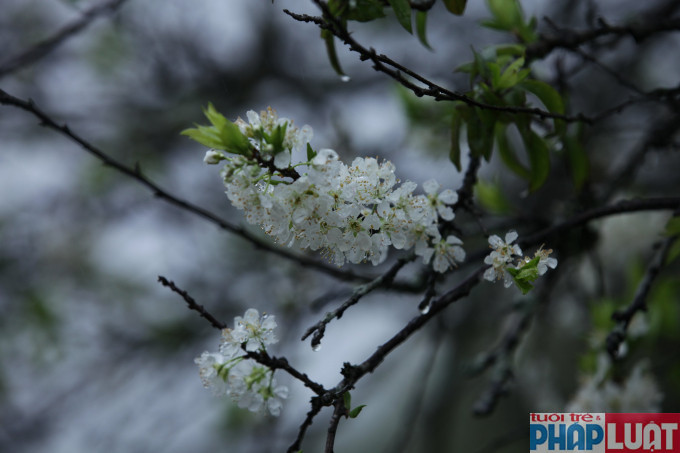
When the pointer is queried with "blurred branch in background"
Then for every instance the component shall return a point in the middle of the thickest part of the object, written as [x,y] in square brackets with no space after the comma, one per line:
[43,48]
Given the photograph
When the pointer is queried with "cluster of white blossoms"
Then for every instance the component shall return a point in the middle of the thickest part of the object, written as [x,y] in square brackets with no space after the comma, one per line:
[507,261]
[638,393]
[229,373]
[349,212]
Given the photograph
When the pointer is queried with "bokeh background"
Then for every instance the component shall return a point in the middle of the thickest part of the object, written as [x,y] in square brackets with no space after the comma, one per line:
[96,356]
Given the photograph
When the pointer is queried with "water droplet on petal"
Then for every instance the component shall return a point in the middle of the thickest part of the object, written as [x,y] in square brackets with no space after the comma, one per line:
[316,347]
[345,78]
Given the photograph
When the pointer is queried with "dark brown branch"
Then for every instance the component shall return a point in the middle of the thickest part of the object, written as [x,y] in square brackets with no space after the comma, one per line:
[136,174]
[281,363]
[309,419]
[339,411]
[386,279]
[622,207]
[639,302]
[570,39]
[193,305]
[44,47]
[386,65]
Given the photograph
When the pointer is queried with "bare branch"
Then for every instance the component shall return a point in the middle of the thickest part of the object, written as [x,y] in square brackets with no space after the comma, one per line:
[44,47]
[386,279]
[639,302]
[570,39]
[193,305]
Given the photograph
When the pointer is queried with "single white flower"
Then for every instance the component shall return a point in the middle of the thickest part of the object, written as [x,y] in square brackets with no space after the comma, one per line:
[254,331]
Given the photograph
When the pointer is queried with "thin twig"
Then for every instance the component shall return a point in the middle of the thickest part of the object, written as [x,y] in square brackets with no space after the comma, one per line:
[193,305]
[570,39]
[136,174]
[386,279]
[386,65]
[44,47]
[309,419]
[639,303]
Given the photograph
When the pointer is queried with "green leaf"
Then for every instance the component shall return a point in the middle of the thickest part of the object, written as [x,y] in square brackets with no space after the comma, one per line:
[550,98]
[329,40]
[277,137]
[492,197]
[507,153]
[512,75]
[673,252]
[454,152]
[579,164]
[539,157]
[480,126]
[421,26]
[199,134]
[673,226]
[402,9]
[347,400]
[365,11]
[311,154]
[216,118]
[507,15]
[456,7]
[356,411]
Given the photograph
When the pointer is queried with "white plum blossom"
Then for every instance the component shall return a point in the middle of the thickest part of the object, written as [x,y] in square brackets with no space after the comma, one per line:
[546,261]
[638,393]
[501,257]
[440,202]
[506,258]
[351,213]
[230,372]
[252,330]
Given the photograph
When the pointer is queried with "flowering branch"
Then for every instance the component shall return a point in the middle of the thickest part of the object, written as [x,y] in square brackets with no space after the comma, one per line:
[44,47]
[136,174]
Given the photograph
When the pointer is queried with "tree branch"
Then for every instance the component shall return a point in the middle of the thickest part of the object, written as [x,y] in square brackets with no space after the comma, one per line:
[44,47]
[386,279]
[136,174]
[570,39]
[386,65]
[639,302]
[193,305]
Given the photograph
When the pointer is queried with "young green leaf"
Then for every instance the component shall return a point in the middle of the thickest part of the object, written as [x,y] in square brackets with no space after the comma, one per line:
[454,152]
[347,400]
[673,226]
[492,197]
[456,7]
[480,126]
[421,28]
[579,164]
[539,157]
[356,411]
[365,11]
[311,154]
[402,9]
[507,153]
[329,40]
[549,97]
